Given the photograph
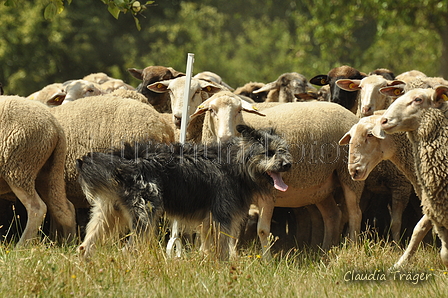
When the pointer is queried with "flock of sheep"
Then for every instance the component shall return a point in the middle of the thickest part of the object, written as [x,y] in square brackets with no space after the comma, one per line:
[395,153]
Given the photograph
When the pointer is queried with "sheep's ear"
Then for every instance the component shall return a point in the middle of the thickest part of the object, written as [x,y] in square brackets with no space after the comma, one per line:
[175,73]
[136,73]
[345,139]
[395,82]
[201,109]
[209,87]
[267,87]
[349,85]
[57,99]
[440,96]
[309,95]
[393,91]
[159,87]
[250,108]
[320,80]
[378,132]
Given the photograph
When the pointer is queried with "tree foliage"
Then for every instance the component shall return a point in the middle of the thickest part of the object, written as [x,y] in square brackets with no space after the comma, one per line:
[240,40]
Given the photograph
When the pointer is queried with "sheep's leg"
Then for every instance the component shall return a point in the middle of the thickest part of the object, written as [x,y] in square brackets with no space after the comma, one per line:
[317,225]
[331,214]
[354,212]
[442,232]
[398,206]
[266,209]
[60,208]
[35,208]
[421,229]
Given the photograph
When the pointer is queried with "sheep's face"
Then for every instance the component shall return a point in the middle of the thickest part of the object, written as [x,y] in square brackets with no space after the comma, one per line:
[405,112]
[366,147]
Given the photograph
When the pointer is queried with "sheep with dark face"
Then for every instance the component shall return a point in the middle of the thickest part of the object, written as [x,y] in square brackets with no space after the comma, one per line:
[346,99]
[151,74]
[248,91]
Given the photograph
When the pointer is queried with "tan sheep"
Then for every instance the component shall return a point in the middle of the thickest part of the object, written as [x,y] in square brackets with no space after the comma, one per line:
[313,130]
[33,150]
[369,155]
[416,113]
[101,122]
[51,95]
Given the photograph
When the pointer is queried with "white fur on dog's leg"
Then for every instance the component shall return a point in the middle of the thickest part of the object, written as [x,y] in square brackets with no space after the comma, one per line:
[174,244]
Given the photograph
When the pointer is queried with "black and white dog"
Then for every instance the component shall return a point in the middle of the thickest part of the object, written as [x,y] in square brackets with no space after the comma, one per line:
[129,189]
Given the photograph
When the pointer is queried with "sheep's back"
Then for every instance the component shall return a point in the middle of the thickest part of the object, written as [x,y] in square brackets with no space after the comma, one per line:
[102,122]
[313,130]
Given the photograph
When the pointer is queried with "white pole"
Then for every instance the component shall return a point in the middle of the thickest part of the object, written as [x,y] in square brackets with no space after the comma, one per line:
[174,244]
[185,118]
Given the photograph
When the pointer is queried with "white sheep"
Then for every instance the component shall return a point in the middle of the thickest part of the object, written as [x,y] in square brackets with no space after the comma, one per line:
[369,155]
[200,90]
[313,130]
[370,97]
[101,122]
[115,84]
[151,74]
[417,113]
[287,87]
[212,78]
[33,149]
[98,77]
[223,112]
[76,89]
[51,95]
[368,147]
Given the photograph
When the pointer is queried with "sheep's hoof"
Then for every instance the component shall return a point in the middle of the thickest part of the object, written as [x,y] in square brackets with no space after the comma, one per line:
[174,247]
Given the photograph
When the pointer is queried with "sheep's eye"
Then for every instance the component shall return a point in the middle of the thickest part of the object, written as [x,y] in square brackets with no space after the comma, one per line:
[369,134]
[90,90]
[418,99]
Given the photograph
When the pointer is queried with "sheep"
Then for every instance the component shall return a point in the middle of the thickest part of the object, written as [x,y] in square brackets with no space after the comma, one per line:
[410,75]
[286,87]
[115,84]
[417,114]
[100,122]
[76,89]
[150,75]
[33,149]
[370,97]
[223,114]
[99,78]
[51,95]
[345,98]
[313,130]
[132,94]
[248,91]
[368,147]
[366,152]
[200,90]
[384,72]
[212,78]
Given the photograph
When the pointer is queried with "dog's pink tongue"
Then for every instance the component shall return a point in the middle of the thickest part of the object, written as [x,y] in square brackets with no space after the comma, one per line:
[278,181]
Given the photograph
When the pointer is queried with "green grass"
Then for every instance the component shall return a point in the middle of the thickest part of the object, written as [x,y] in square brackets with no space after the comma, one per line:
[45,270]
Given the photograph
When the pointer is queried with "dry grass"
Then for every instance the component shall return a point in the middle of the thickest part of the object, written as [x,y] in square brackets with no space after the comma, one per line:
[45,270]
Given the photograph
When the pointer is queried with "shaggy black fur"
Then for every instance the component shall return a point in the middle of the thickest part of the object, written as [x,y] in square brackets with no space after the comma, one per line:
[187,181]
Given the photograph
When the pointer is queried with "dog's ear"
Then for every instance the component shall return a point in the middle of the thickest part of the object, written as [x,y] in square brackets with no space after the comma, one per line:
[244,130]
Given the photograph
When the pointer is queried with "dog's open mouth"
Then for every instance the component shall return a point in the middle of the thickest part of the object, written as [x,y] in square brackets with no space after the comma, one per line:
[278,181]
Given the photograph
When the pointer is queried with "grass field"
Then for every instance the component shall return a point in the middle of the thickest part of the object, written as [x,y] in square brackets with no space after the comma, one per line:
[46,270]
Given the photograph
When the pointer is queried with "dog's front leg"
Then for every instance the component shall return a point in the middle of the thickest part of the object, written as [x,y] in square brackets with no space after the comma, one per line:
[266,207]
